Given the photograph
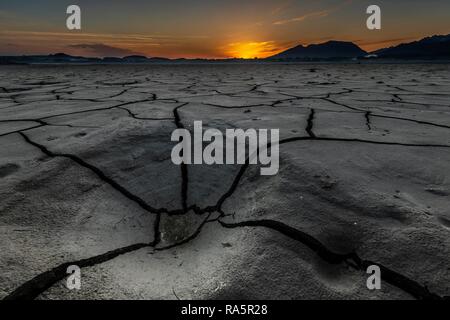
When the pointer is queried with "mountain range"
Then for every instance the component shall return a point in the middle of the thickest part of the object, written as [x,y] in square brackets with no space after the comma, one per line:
[65,58]
[435,47]
[430,48]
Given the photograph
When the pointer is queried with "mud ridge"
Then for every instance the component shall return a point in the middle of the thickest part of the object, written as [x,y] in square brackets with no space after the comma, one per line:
[352,259]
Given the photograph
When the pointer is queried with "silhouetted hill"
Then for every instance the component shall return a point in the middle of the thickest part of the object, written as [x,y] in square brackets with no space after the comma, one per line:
[135,59]
[65,58]
[435,47]
[112,60]
[327,50]
[51,58]
[143,59]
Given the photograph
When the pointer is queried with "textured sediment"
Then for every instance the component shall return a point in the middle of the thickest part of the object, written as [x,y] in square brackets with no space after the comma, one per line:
[87,179]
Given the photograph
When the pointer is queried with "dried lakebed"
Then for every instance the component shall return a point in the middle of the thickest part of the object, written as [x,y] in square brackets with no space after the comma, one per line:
[87,179]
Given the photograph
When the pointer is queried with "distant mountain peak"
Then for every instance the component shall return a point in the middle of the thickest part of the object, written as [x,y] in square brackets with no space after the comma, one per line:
[60,55]
[135,57]
[327,50]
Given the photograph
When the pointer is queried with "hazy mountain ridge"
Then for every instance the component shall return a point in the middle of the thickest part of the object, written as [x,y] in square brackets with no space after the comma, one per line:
[65,58]
[427,48]
[434,47]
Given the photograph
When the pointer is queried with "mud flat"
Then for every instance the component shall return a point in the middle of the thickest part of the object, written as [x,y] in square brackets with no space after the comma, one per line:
[86,178]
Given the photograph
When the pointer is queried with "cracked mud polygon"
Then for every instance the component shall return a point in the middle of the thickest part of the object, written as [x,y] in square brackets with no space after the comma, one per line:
[87,179]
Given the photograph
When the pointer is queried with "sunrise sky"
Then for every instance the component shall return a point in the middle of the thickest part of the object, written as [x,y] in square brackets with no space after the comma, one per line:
[210,28]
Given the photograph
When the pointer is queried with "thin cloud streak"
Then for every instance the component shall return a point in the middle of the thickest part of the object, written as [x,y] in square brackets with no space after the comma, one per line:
[318,14]
[137,37]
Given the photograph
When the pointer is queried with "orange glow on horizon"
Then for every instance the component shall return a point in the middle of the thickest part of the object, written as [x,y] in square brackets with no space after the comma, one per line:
[250,50]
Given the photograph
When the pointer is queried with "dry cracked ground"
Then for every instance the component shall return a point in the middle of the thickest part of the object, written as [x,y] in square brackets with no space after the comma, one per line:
[87,179]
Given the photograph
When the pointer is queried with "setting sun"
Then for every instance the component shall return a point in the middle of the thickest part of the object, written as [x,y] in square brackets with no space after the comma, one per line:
[250,50]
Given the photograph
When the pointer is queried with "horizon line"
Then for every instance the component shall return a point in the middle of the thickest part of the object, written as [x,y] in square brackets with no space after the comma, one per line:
[412,39]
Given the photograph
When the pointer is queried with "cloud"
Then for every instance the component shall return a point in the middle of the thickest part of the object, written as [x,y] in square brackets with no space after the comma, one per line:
[281,8]
[317,14]
[102,50]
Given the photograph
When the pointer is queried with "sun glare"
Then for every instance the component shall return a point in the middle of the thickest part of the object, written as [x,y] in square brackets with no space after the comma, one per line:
[250,50]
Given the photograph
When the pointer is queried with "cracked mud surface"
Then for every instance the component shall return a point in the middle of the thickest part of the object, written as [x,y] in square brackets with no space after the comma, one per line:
[87,179]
